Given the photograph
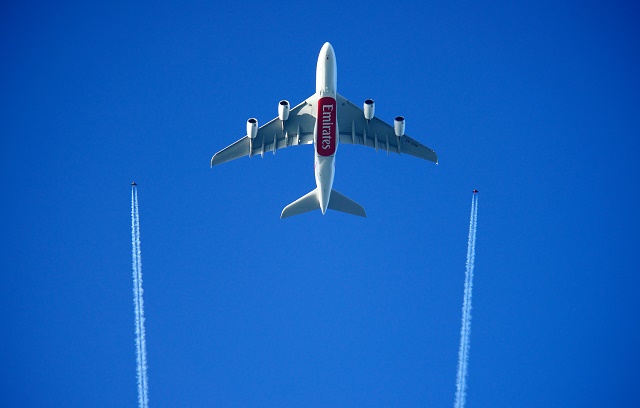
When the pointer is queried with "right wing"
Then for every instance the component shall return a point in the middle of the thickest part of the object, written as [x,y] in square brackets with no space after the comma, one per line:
[355,129]
[295,131]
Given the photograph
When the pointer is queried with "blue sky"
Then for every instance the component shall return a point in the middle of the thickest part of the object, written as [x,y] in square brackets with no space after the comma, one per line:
[534,104]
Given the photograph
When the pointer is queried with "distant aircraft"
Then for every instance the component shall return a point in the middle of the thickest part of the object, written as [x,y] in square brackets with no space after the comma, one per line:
[134,184]
[325,119]
[475,191]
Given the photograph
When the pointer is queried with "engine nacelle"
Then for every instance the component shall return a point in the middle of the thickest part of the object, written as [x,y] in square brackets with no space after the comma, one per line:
[369,109]
[398,126]
[252,128]
[283,110]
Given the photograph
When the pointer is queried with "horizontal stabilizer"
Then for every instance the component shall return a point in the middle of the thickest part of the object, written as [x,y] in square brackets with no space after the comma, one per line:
[306,203]
[339,202]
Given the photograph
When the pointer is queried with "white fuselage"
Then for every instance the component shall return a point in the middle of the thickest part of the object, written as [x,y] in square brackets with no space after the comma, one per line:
[326,130]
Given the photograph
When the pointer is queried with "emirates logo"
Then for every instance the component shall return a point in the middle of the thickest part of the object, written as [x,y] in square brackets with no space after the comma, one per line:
[326,126]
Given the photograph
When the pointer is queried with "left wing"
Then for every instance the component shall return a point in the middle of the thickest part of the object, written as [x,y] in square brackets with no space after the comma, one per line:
[355,129]
[276,134]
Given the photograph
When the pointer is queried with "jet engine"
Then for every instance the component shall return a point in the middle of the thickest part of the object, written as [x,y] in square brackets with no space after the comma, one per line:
[252,128]
[369,109]
[283,110]
[398,126]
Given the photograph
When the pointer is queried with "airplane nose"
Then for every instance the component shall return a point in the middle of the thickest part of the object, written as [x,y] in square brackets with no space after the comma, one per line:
[326,72]
[327,50]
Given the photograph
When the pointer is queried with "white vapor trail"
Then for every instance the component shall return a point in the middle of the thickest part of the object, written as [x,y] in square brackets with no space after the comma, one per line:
[465,331]
[141,342]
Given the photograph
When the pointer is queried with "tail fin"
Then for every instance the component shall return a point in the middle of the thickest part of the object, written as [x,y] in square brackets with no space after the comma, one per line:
[308,202]
[339,202]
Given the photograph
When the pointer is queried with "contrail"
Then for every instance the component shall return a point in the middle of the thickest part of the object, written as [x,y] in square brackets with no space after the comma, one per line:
[141,343]
[465,331]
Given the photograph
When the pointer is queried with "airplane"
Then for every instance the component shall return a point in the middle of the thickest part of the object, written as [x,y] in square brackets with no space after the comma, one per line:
[134,184]
[475,191]
[325,119]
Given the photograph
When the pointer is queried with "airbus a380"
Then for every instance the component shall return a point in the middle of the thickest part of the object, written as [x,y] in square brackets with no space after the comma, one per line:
[324,119]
